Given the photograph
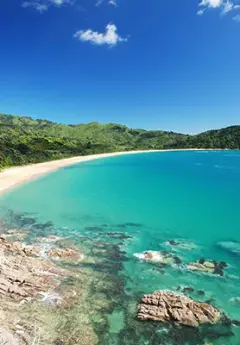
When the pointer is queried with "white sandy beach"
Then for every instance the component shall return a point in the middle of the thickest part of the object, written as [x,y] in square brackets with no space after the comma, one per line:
[14,176]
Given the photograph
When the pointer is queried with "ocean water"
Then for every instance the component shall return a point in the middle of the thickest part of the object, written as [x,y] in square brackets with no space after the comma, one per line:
[129,204]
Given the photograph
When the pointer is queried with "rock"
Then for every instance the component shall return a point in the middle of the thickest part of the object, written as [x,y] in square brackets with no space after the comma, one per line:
[236,323]
[16,234]
[163,257]
[235,300]
[167,306]
[51,298]
[19,247]
[233,247]
[181,244]
[208,266]
[187,290]
[65,254]
[23,276]
[6,338]
[119,235]
[51,239]
[201,292]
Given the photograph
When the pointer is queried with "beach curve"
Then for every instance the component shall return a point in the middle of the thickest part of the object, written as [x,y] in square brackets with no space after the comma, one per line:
[14,176]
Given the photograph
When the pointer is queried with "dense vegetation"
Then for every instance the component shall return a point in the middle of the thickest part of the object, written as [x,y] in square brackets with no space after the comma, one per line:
[24,140]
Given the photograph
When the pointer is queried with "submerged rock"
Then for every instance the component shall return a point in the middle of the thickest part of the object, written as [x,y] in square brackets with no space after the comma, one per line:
[233,247]
[208,266]
[163,257]
[65,254]
[119,235]
[167,306]
[181,244]
[51,239]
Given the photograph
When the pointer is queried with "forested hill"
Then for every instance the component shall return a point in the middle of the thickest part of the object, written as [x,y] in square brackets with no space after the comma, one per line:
[24,140]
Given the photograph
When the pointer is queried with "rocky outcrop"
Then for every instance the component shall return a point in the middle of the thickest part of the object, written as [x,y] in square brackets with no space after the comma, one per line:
[208,266]
[162,257]
[170,307]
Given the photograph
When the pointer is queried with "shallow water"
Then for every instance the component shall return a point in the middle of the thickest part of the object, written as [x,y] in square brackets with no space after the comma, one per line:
[153,198]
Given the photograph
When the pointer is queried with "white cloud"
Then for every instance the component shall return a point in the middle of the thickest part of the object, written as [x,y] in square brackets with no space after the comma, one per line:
[43,5]
[211,3]
[109,37]
[109,2]
[225,6]
[200,12]
[113,3]
[237,18]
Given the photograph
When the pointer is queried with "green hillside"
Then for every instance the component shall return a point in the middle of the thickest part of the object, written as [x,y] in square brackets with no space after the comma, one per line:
[24,140]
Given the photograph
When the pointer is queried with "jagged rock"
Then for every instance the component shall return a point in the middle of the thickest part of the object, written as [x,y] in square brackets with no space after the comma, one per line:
[170,307]
[208,266]
[163,257]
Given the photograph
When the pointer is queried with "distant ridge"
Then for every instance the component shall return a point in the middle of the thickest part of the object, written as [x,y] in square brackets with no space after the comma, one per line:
[25,140]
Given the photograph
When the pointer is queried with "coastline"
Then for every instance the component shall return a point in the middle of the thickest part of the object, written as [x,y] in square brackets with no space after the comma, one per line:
[15,176]
[79,281]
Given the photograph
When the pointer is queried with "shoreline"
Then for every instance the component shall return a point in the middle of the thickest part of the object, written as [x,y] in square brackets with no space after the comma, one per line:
[12,177]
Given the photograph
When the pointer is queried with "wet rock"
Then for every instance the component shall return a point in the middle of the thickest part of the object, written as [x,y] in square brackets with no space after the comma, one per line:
[236,323]
[24,276]
[161,257]
[65,254]
[232,247]
[136,225]
[169,307]
[18,247]
[129,224]
[16,234]
[93,228]
[51,239]
[181,244]
[187,289]
[200,292]
[119,235]
[235,300]
[208,266]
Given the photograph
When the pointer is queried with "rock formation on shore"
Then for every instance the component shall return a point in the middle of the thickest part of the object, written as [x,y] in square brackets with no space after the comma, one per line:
[167,306]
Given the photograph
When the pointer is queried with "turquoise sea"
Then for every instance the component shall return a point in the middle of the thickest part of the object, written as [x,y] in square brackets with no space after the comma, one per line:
[133,203]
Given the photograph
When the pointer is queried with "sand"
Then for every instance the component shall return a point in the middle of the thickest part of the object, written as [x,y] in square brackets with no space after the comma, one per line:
[12,177]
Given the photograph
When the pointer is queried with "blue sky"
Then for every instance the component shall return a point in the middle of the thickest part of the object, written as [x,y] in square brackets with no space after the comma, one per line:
[156,64]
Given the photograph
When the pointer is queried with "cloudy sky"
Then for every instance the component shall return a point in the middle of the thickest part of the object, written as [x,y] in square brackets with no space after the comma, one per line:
[157,64]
